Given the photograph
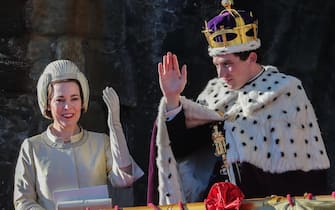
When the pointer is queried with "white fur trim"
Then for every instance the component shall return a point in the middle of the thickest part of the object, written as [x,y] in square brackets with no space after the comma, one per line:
[187,180]
[170,189]
[274,106]
[267,93]
[197,114]
[253,45]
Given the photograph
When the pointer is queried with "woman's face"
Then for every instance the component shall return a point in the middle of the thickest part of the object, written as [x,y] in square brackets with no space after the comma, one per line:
[65,104]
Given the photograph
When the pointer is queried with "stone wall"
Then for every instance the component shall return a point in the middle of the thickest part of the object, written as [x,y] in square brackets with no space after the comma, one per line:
[118,44]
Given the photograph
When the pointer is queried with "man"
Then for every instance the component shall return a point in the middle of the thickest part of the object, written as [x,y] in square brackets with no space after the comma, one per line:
[272,139]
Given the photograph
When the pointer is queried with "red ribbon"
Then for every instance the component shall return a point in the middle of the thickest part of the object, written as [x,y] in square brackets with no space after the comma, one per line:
[181,205]
[290,199]
[153,206]
[224,196]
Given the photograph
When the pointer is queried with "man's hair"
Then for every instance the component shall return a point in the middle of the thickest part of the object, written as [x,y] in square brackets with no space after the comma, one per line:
[244,55]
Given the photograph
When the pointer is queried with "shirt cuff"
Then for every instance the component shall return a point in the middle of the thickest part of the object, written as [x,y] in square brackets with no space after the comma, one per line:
[172,113]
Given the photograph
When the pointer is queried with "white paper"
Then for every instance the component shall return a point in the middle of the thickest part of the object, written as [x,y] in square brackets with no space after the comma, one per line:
[95,204]
[86,193]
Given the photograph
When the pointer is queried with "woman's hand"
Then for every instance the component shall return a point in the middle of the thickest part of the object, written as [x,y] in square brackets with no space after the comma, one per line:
[117,138]
[172,81]
[112,102]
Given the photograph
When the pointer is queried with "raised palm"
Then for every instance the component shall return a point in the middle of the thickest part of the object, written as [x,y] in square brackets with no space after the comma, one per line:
[172,81]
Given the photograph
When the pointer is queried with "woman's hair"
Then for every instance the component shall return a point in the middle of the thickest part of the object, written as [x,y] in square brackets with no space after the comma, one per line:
[60,70]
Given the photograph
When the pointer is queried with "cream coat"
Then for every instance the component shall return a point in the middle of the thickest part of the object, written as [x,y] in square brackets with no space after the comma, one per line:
[46,164]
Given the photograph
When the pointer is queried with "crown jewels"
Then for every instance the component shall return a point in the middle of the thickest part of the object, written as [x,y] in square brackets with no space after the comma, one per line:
[231,31]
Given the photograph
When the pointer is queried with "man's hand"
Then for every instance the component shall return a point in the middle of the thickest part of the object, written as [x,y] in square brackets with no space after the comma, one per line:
[172,82]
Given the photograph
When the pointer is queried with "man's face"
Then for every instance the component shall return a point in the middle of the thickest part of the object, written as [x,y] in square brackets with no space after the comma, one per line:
[233,70]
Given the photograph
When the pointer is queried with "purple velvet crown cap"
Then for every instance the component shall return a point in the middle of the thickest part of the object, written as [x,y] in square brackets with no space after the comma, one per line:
[231,31]
[227,20]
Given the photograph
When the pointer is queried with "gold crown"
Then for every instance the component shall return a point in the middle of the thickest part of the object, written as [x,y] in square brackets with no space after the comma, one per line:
[226,37]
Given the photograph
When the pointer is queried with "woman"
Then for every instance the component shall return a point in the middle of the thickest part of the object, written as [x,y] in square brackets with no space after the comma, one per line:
[66,156]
